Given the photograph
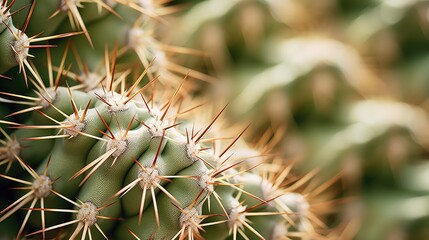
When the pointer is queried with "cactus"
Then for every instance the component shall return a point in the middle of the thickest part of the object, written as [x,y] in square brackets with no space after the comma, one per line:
[347,79]
[109,144]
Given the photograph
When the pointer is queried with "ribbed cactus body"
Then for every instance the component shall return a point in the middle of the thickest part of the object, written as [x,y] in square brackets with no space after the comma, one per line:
[119,147]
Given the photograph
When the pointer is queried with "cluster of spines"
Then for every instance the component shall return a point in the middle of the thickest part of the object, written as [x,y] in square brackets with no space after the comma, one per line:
[129,26]
[108,145]
[118,132]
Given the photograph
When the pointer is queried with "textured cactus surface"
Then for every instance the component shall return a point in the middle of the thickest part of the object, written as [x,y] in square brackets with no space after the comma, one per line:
[103,136]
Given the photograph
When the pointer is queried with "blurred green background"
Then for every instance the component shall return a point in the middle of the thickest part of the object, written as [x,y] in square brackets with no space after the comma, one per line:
[347,82]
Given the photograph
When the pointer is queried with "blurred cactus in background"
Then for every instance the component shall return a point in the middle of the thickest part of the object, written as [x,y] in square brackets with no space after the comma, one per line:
[343,84]
[108,133]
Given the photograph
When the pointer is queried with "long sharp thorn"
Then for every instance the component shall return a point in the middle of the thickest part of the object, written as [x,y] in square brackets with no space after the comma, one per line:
[27,20]
[95,162]
[6,77]
[54,227]
[85,229]
[20,96]
[102,99]
[16,180]
[24,222]
[233,142]
[142,203]
[190,109]
[50,71]
[10,5]
[61,67]
[73,103]
[16,205]
[45,171]
[326,185]
[76,231]
[101,161]
[128,127]
[253,230]
[211,123]
[79,20]
[229,167]
[140,165]
[112,73]
[134,235]
[170,102]
[158,151]
[155,205]
[196,198]
[126,189]
[42,216]
[145,103]
[218,199]
[136,83]
[62,35]
[106,125]
[166,193]
[172,126]
[303,180]
[85,111]
[141,89]
[89,234]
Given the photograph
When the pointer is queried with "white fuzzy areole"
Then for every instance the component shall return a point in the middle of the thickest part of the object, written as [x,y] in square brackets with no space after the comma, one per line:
[20,46]
[64,5]
[147,4]
[159,60]
[157,127]
[149,178]
[189,218]
[10,149]
[119,144]
[279,231]
[136,37]
[42,187]
[236,216]
[116,103]
[205,181]
[49,95]
[77,126]
[295,199]
[87,214]
[191,151]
